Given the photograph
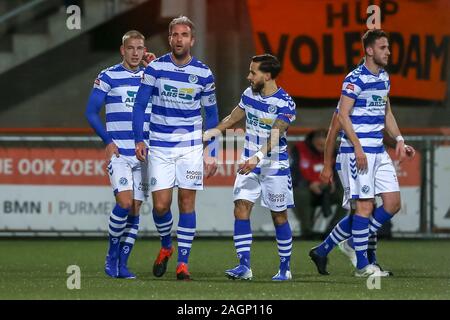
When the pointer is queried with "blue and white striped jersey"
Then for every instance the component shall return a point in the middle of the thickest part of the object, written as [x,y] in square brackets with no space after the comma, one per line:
[261,113]
[121,86]
[177,96]
[368,113]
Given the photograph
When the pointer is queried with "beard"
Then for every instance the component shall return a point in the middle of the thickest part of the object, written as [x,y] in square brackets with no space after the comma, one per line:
[257,87]
[379,62]
[181,54]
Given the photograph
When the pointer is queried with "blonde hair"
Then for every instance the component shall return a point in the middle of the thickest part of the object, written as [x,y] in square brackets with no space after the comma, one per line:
[184,21]
[132,34]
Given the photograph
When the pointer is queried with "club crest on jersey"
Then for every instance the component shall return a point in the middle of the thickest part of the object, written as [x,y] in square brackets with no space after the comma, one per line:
[153,181]
[123,181]
[237,190]
[212,98]
[193,78]
[365,189]
[272,109]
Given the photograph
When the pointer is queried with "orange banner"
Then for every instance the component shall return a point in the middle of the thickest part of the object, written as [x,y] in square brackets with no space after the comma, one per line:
[319,41]
[226,170]
[409,170]
[83,166]
[53,166]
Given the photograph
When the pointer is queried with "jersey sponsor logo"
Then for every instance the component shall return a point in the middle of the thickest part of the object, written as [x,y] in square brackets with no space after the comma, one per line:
[276,197]
[378,101]
[181,93]
[143,187]
[194,175]
[193,78]
[263,123]
[350,87]
[129,100]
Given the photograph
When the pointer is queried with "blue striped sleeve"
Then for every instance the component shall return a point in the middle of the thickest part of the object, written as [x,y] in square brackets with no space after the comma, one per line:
[285,117]
[142,98]
[352,87]
[211,121]
[103,82]
[94,105]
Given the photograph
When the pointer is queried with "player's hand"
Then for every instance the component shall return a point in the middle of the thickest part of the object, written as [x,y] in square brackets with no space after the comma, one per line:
[147,58]
[326,175]
[210,166]
[141,151]
[315,187]
[247,166]
[110,150]
[211,133]
[400,150]
[410,151]
[361,160]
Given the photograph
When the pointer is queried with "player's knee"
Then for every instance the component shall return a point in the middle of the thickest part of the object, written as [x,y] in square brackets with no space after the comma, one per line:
[161,208]
[186,205]
[397,208]
[242,209]
[136,208]
[279,218]
[125,203]
[393,207]
[364,207]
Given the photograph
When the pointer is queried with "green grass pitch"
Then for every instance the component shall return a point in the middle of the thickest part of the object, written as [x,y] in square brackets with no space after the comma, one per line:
[36,269]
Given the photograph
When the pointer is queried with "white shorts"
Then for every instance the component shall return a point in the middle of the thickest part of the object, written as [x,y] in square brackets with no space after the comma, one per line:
[380,177]
[177,167]
[128,173]
[275,191]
